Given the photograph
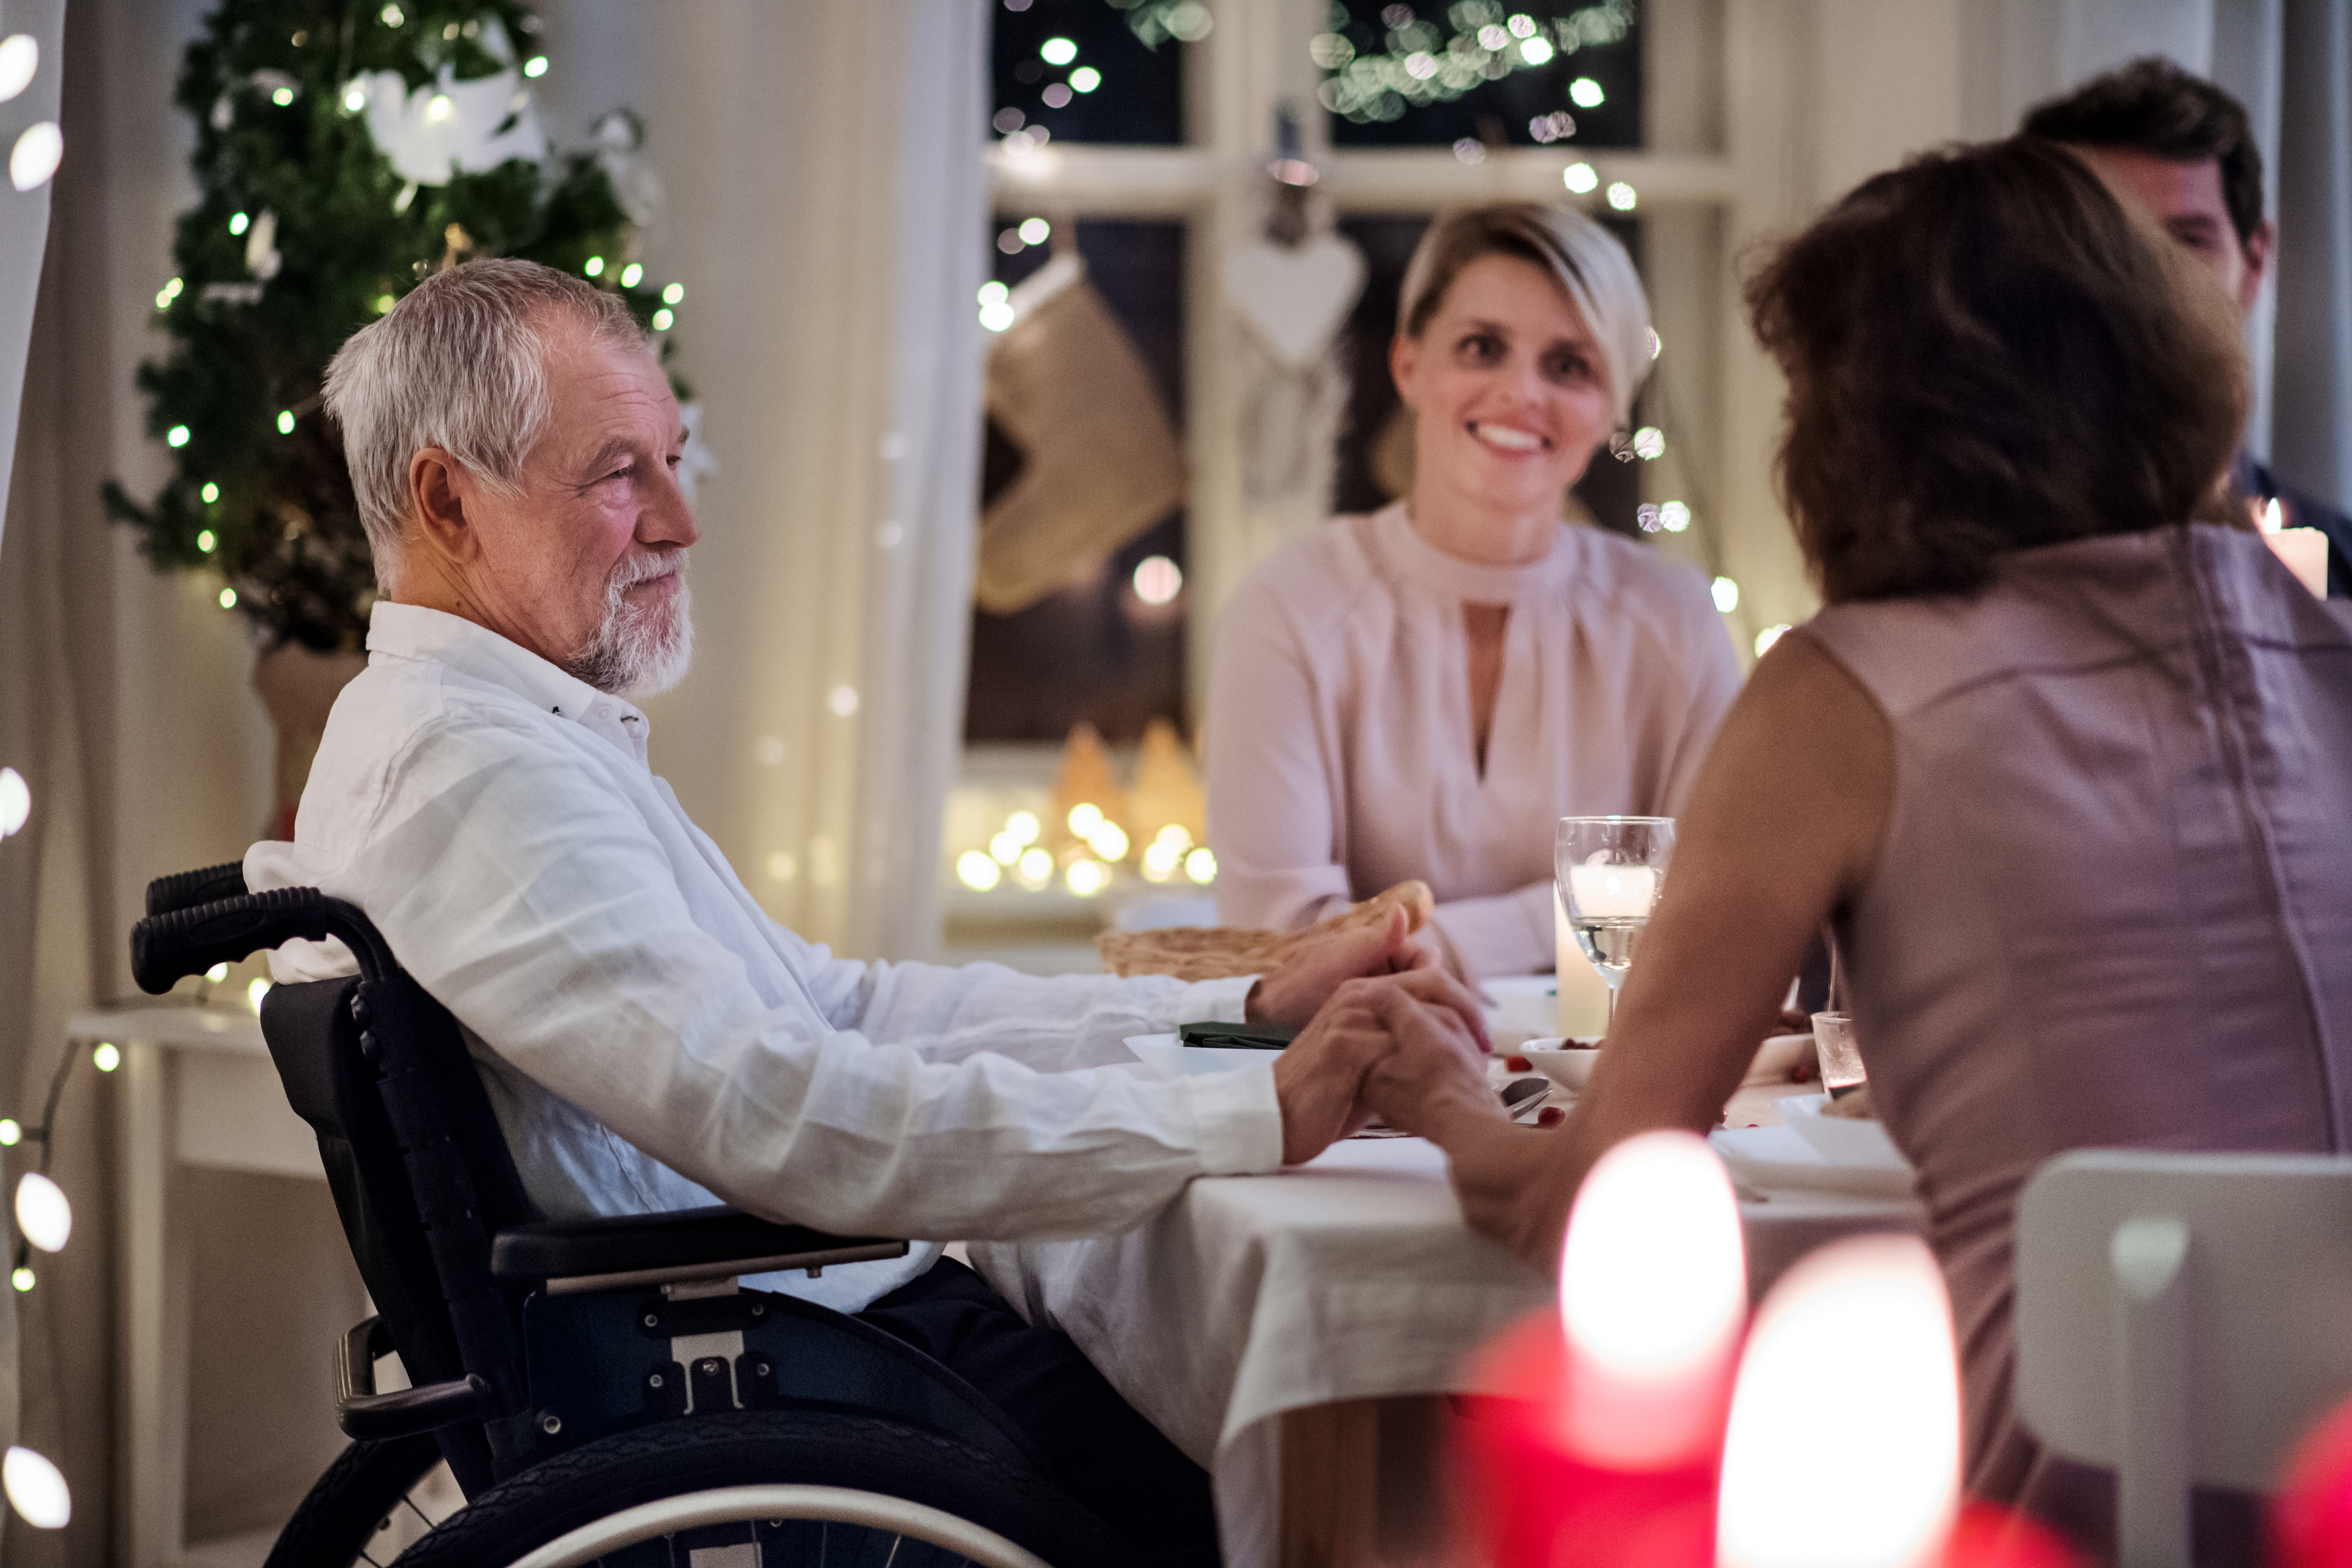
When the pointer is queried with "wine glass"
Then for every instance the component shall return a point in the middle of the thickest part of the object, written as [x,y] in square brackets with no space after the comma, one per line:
[1611,870]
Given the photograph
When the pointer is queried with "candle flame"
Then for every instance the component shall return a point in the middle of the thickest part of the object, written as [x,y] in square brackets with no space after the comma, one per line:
[2272,519]
[1652,1287]
[1843,1449]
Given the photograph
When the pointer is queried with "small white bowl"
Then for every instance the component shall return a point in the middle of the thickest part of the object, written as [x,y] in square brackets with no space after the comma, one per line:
[1837,1139]
[1567,1062]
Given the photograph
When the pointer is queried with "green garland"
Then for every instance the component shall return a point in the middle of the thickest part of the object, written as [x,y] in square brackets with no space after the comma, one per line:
[259,492]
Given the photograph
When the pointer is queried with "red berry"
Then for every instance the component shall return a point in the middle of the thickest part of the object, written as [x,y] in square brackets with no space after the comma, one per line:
[1550,1116]
[1516,1063]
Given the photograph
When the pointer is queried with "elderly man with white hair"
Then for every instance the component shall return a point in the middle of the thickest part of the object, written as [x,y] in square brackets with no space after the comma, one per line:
[649,1039]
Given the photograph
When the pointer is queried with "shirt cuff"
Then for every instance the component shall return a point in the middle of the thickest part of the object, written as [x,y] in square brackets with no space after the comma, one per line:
[1236,1122]
[1212,1001]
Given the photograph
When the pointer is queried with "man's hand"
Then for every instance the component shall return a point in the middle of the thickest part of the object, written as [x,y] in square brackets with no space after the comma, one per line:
[1319,1080]
[1294,990]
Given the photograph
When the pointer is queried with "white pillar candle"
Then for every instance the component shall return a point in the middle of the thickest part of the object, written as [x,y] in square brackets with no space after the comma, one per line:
[2304,551]
[1582,1010]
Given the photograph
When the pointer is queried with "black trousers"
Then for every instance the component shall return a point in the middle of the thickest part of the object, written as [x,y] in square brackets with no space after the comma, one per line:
[1101,1452]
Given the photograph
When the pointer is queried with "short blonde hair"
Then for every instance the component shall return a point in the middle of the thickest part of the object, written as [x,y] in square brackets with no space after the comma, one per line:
[1583,257]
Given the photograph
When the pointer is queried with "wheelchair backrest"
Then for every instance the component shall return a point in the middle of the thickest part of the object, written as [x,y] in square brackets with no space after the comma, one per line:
[420,1171]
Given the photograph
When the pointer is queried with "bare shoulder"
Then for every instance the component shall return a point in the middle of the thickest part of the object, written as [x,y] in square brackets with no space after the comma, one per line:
[1805,755]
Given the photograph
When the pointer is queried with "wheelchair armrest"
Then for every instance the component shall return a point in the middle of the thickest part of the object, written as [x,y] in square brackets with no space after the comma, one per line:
[364,1414]
[682,1244]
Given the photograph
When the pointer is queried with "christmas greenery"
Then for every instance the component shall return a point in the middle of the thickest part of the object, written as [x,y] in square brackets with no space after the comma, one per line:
[303,232]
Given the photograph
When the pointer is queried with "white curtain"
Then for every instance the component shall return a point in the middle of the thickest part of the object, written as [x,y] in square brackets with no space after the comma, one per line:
[826,210]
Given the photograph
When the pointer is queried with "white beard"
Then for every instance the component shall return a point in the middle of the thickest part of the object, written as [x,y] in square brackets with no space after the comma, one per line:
[636,649]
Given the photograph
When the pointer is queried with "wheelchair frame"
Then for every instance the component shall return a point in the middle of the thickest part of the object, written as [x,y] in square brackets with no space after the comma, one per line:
[525,1337]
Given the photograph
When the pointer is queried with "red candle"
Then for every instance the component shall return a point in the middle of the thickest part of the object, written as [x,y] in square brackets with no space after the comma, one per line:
[1611,1457]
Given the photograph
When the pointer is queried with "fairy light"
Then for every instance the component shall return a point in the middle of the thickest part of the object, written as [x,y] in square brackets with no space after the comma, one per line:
[1201,866]
[1084,818]
[169,292]
[662,319]
[354,98]
[1536,52]
[1674,516]
[1108,841]
[12,1133]
[630,274]
[211,492]
[1086,877]
[36,155]
[1085,78]
[1035,231]
[1158,580]
[1622,196]
[594,268]
[37,1489]
[1649,443]
[20,56]
[176,436]
[15,802]
[674,293]
[254,992]
[439,108]
[1727,594]
[1033,869]
[1004,849]
[106,1056]
[21,1278]
[1769,636]
[1058,51]
[1585,93]
[42,1215]
[228,598]
[1023,827]
[978,871]
[535,67]
[285,422]
[239,222]
[1580,178]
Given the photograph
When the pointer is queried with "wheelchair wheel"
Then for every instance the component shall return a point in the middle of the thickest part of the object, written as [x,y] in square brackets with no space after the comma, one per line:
[373,1502]
[767,1489]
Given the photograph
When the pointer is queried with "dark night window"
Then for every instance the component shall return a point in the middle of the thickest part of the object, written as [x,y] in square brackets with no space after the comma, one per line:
[1100,650]
[1482,73]
[1093,70]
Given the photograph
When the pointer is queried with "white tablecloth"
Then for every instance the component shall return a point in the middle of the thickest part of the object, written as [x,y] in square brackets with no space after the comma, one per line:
[1350,1278]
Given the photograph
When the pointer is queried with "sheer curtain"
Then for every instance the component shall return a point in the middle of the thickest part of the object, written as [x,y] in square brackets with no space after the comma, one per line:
[824,207]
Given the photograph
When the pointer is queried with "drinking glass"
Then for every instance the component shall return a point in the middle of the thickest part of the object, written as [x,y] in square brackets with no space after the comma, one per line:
[1840,1053]
[1611,870]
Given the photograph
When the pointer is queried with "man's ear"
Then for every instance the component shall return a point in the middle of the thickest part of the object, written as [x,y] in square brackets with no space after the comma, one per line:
[2259,248]
[434,496]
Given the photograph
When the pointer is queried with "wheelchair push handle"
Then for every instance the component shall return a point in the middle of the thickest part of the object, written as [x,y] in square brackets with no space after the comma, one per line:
[165,949]
[186,889]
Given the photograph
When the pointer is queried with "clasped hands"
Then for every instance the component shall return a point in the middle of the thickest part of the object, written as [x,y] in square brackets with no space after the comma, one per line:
[1386,1031]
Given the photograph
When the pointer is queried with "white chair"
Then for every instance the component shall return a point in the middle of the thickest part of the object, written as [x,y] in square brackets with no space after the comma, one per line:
[2182,1318]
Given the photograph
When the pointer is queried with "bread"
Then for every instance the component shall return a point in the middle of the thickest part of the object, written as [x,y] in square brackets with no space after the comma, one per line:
[1214,953]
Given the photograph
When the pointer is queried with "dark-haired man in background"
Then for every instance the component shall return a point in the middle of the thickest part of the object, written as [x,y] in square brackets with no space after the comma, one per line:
[2184,150]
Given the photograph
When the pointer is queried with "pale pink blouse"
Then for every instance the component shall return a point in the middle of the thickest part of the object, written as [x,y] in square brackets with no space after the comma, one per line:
[1338,746]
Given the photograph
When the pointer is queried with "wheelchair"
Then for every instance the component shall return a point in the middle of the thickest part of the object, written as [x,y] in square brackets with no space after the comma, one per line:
[600,1391]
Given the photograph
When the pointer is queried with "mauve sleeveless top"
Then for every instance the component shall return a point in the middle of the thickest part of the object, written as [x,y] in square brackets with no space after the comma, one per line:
[2114,905]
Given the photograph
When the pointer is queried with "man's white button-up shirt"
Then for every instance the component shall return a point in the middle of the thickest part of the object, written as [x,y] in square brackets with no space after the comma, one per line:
[652,1040]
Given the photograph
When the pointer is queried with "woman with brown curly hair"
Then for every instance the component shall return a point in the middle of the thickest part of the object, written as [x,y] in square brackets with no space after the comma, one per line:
[2066,765]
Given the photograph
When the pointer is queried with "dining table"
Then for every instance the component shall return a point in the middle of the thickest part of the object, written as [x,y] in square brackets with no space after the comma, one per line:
[1300,1335]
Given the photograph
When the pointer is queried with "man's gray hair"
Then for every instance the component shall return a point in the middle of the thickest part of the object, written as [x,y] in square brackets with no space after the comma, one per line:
[459,364]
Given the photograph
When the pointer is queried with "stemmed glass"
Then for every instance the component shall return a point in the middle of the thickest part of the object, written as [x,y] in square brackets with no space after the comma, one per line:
[1611,870]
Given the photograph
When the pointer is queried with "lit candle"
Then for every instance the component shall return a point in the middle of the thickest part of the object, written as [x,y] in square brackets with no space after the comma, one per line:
[2305,549]
[1843,1447]
[1613,891]
[1619,1466]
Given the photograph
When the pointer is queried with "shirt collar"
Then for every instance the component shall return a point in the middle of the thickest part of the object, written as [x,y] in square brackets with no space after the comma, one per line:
[412,631]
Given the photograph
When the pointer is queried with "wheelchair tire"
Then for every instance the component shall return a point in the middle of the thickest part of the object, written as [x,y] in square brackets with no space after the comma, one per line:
[763,1451]
[348,1504]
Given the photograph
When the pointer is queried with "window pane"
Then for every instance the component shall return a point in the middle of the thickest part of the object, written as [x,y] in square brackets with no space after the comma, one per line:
[1093,70]
[1367,466]
[1480,73]
[1097,650]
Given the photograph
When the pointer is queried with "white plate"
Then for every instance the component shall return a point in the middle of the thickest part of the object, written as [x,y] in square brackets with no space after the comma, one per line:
[1777,1157]
[1169,1056]
[1836,1138]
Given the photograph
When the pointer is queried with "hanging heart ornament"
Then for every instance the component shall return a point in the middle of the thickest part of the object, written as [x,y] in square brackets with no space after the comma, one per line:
[1295,299]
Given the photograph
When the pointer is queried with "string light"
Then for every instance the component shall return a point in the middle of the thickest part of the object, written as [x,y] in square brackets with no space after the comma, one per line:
[106,1056]
[1158,580]
[11,1132]
[1585,93]
[237,223]
[535,67]
[1727,594]
[1004,849]
[391,16]
[211,492]
[1034,868]
[1085,817]
[20,56]
[630,274]
[1580,178]
[21,1278]
[228,598]
[1622,196]
[439,108]
[43,1214]
[177,436]
[1023,827]
[977,871]
[1769,636]
[1086,877]
[1537,51]
[35,1488]
[217,974]
[37,155]
[1673,517]
[282,96]
[15,802]
[254,992]
[285,422]
[354,98]
[595,267]
[1058,51]
[1085,78]
[169,292]
[1201,866]
[1649,442]
[843,700]
[674,293]
[1035,231]
[662,319]
[383,304]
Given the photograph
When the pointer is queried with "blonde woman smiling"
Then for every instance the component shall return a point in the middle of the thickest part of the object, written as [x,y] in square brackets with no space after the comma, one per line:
[1421,692]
